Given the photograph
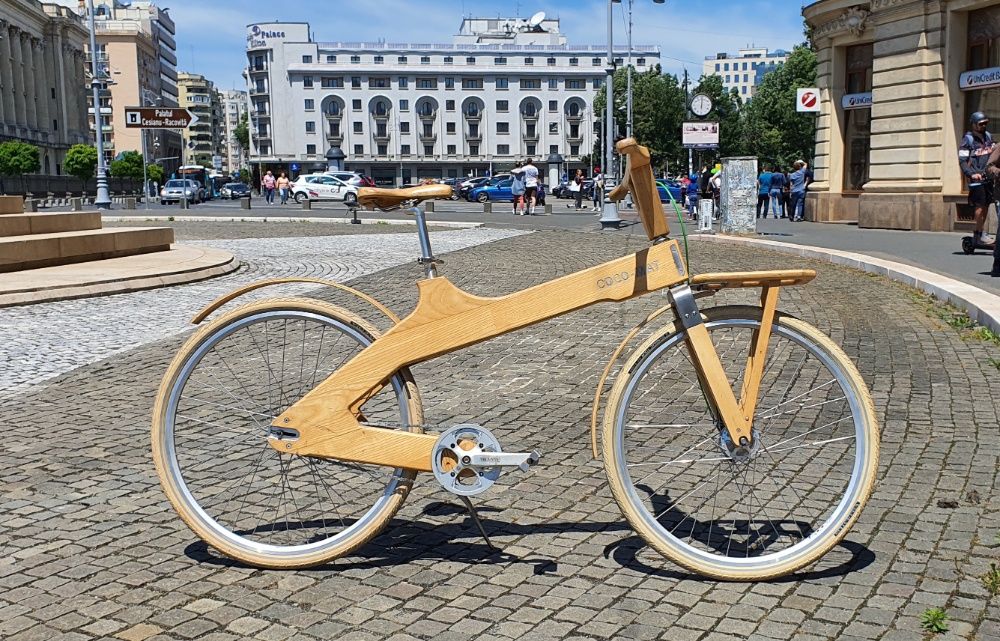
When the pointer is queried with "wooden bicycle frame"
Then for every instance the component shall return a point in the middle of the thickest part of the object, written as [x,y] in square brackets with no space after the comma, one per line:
[326,420]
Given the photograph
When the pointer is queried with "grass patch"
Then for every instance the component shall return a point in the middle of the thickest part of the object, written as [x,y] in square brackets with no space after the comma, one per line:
[991,580]
[958,320]
[934,620]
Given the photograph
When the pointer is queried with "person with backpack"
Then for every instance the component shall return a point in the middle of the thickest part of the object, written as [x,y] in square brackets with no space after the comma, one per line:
[973,159]
[517,189]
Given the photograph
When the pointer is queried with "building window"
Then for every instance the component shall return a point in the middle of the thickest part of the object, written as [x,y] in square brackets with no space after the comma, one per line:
[499,61]
[531,83]
[451,150]
[619,62]
[553,83]
[553,127]
[553,149]
[574,150]
[530,149]
[503,127]
[311,150]
[529,61]
[472,83]
[449,105]
[425,60]
[310,104]
[404,127]
[356,104]
[307,60]
[359,127]
[402,83]
[718,67]
[449,83]
[331,58]
[331,83]
[383,150]
[427,83]
[355,59]
[310,126]
[359,150]
[404,105]
[401,60]
[448,60]
[307,82]
[355,82]
[575,84]
[503,150]
[502,105]
[598,83]
[574,62]
[378,83]
[857,126]
[449,127]
[641,62]
[473,150]
[470,60]
[553,105]
[501,83]
[550,62]
[596,62]
[428,150]
[379,60]
[404,150]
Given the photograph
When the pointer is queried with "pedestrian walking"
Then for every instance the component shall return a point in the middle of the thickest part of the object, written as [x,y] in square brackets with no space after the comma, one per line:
[530,185]
[597,195]
[704,188]
[267,184]
[796,190]
[973,158]
[575,187]
[517,189]
[763,190]
[283,187]
[992,175]
[693,196]
[777,185]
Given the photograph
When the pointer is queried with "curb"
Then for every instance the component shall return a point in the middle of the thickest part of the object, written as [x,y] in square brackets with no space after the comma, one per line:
[282,219]
[981,306]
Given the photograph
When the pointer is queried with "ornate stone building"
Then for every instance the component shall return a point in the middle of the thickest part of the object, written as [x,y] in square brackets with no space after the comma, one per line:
[898,80]
[43,92]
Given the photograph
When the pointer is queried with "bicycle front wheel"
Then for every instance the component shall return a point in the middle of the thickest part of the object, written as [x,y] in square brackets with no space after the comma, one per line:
[211,422]
[732,513]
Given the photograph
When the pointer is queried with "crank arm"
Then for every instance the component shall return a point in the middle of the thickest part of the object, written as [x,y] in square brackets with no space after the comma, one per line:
[520,460]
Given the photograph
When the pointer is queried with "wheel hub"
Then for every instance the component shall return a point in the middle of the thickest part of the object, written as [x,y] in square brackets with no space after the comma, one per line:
[742,452]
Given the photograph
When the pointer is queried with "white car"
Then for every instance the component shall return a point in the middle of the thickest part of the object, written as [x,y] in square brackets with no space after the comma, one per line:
[323,187]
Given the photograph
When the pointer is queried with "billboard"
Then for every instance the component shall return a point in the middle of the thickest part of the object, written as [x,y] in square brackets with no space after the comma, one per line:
[700,135]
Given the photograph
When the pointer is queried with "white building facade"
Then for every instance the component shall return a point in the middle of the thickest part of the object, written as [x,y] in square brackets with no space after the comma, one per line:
[505,90]
[744,70]
[234,108]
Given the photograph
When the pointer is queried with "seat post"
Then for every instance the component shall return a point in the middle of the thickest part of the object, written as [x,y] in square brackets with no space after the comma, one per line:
[426,256]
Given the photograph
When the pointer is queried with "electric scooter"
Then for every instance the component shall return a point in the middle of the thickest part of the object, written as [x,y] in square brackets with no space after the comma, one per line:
[969,246]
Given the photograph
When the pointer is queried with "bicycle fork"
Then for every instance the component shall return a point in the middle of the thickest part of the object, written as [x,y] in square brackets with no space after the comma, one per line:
[734,414]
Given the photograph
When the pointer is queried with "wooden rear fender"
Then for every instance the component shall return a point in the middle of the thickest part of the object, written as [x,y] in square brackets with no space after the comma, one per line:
[236,293]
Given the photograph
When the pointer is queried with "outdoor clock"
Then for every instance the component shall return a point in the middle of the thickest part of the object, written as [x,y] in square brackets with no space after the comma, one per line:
[701,105]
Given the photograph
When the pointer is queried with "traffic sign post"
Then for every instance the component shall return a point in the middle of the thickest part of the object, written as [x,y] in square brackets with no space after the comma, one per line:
[158,118]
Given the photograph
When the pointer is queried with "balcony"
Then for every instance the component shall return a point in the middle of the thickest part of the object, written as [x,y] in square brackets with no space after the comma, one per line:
[474,136]
[428,138]
[382,136]
[335,137]
[258,92]
[473,116]
[258,115]
[257,68]
[427,114]
[578,138]
[530,116]
[574,117]
[331,115]
[530,137]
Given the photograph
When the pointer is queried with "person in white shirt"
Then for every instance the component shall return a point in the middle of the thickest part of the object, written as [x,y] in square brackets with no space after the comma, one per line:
[530,173]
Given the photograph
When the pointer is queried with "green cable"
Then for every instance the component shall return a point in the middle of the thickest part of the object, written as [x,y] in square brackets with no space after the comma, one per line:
[680,219]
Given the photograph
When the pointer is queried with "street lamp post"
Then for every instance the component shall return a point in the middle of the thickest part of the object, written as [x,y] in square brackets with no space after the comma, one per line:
[609,211]
[97,82]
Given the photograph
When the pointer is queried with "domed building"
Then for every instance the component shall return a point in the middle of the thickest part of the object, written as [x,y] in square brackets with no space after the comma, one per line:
[898,80]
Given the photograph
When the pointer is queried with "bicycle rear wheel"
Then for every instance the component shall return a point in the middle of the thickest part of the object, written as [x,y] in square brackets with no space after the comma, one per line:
[210,426]
[753,515]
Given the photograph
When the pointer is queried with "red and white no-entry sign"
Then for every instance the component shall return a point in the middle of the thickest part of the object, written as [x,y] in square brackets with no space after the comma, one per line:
[807,99]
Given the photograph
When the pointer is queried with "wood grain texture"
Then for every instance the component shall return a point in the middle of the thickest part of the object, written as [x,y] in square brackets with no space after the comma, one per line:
[446,319]
[758,351]
[778,277]
[386,198]
[642,184]
[716,383]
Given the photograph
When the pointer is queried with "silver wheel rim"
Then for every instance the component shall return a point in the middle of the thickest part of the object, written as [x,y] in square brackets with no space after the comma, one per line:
[210,523]
[831,526]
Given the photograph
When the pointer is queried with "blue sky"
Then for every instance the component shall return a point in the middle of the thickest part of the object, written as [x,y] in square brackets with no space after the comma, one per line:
[211,35]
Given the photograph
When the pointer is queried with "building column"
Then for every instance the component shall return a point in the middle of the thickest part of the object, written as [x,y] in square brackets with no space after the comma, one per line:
[7,76]
[30,92]
[42,91]
[58,76]
[18,71]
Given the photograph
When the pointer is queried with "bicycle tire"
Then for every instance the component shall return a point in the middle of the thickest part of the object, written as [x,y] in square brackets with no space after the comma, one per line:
[643,381]
[211,442]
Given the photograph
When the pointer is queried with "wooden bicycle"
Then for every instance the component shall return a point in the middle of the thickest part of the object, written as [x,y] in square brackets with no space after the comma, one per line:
[739,442]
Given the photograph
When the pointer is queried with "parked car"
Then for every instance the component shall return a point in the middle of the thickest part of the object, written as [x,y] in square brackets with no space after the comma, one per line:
[176,189]
[675,190]
[233,191]
[323,187]
[564,192]
[352,178]
[494,189]
[469,185]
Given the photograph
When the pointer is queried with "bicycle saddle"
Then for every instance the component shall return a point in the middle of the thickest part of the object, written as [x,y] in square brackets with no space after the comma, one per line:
[389,198]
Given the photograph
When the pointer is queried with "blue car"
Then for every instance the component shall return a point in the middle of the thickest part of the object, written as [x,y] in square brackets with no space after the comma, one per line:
[675,190]
[498,190]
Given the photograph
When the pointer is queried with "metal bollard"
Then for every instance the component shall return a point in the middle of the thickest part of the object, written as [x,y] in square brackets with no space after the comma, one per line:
[307,204]
[487,208]
[429,205]
[130,203]
[31,205]
[76,204]
[185,204]
[245,203]
[548,208]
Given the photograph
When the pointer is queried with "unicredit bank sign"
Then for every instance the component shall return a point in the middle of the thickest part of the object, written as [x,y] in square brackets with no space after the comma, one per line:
[259,37]
[979,79]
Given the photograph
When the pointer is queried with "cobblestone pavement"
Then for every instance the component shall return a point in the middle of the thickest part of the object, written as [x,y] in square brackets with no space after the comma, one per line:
[93,550]
[41,341]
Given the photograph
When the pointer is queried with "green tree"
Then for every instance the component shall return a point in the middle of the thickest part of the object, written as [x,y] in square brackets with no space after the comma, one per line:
[127,165]
[155,173]
[727,107]
[772,129]
[81,161]
[242,134]
[245,176]
[18,158]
